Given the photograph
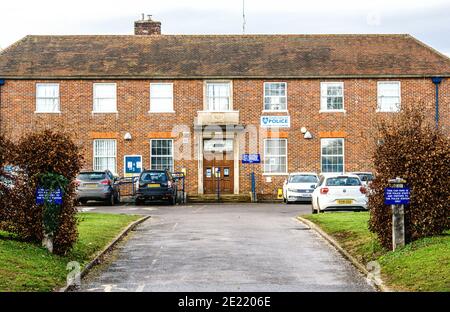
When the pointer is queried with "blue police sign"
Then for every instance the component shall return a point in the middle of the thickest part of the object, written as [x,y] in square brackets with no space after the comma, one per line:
[396,196]
[54,197]
[251,158]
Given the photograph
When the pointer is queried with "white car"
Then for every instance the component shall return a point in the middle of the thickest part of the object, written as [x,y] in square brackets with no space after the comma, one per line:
[366,177]
[299,186]
[339,192]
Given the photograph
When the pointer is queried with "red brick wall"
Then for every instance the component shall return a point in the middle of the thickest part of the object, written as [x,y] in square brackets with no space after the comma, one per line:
[360,100]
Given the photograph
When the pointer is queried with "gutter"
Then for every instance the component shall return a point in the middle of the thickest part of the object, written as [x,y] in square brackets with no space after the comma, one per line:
[437,81]
[241,77]
[2,82]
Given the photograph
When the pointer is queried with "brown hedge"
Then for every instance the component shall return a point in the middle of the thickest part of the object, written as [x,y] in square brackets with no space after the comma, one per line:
[35,153]
[412,148]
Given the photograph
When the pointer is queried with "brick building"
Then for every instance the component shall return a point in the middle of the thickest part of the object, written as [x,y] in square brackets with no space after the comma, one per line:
[199,102]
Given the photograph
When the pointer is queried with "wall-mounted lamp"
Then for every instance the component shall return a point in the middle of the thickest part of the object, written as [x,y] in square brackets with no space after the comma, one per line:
[127,136]
[308,135]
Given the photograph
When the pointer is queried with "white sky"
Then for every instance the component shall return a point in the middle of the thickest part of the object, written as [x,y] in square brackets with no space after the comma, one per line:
[427,20]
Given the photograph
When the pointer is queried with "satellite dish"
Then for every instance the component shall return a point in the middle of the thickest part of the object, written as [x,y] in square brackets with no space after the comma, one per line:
[308,135]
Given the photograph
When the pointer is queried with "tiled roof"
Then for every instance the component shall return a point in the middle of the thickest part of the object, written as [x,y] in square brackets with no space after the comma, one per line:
[215,56]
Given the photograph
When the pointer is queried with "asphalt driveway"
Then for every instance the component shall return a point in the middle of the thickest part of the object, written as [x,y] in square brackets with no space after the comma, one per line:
[243,247]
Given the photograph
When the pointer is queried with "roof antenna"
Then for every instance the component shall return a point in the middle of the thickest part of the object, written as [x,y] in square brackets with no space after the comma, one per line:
[243,17]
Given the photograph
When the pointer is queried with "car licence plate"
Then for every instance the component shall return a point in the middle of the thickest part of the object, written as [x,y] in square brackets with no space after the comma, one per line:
[91,185]
[154,185]
[345,201]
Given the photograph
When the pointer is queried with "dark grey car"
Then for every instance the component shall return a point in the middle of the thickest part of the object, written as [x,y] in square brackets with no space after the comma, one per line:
[98,186]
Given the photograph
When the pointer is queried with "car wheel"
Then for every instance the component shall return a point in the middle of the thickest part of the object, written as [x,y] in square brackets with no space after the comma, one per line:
[172,200]
[82,202]
[110,201]
[314,211]
[118,198]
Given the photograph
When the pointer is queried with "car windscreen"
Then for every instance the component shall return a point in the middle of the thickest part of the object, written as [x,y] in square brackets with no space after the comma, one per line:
[91,176]
[343,181]
[303,179]
[365,176]
[156,176]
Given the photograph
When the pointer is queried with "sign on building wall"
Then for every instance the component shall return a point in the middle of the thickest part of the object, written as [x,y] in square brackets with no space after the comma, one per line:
[132,165]
[251,158]
[275,121]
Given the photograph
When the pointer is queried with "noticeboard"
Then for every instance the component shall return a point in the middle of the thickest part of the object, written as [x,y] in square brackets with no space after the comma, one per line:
[132,165]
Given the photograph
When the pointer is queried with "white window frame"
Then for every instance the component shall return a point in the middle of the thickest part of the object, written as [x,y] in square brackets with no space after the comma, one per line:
[171,109]
[172,154]
[323,99]
[343,154]
[230,97]
[114,109]
[379,109]
[264,158]
[114,171]
[58,111]
[285,96]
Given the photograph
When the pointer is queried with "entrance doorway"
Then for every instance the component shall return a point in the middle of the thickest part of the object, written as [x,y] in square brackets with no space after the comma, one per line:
[218,167]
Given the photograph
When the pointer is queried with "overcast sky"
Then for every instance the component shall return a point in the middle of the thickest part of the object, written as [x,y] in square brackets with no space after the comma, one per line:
[427,20]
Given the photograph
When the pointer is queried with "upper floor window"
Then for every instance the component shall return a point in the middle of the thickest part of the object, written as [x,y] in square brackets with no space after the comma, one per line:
[47,98]
[105,98]
[388,96]
[332,96]
[218,96]
[161,97]
[275,96]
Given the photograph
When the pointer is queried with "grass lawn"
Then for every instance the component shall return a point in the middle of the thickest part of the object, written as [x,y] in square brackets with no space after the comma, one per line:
[28,267]
[423,265]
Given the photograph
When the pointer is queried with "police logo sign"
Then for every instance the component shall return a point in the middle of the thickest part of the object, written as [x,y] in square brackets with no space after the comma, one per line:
[275,121]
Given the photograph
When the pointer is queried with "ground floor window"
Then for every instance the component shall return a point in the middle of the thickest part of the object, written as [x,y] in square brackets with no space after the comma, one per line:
[332,155]
[275,156]
[105,155]
[161,154]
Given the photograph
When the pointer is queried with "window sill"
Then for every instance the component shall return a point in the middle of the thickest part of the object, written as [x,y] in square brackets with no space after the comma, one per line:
[275,174]
[217,111]
[276,111]
[38,112]
[332,111]
[161,112]
[114,112]
[386,111]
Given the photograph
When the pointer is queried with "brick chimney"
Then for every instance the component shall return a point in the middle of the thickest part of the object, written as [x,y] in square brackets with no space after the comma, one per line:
[147,26]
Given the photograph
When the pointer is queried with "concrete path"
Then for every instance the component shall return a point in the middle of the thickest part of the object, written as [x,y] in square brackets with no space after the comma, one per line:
[243,247]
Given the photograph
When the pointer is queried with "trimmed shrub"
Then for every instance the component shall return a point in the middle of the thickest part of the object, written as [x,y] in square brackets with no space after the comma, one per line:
[412,148]
[36,154]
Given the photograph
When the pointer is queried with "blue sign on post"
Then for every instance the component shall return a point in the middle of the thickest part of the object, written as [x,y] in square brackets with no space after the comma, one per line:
[251,158]
[55,197]
[396,196]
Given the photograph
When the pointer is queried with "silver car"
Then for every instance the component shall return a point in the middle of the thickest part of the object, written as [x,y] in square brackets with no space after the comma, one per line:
[98,186]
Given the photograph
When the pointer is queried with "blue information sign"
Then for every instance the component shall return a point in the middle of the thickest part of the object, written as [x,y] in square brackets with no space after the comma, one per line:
[251,158]
[55,196]
[396,196]
[132,165]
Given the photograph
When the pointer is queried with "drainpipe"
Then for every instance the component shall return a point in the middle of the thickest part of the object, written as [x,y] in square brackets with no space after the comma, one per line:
[2,82]
[437,81]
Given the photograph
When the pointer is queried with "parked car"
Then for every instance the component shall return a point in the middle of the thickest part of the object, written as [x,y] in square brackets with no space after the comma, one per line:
[299,187]
[365,177]
[339,192]
[157,185]
[98,186]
